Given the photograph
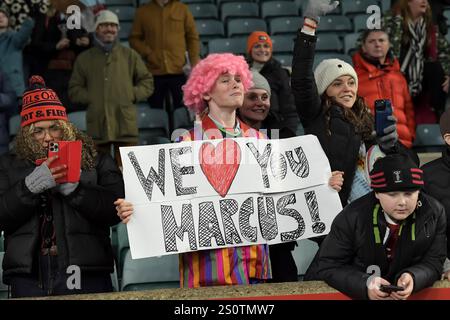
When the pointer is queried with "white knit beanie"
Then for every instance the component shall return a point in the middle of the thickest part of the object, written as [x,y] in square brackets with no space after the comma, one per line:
[259,82]
[329,70]
[106,16]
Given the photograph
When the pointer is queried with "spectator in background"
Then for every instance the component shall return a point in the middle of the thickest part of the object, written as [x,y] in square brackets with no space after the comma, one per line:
[282,114]
[437,9]
[54,48]
[48,225]
[7,102]
[110,78]
[380,77]
[437,180]
[396,227]
[11,46]
[424,56]
[164,34]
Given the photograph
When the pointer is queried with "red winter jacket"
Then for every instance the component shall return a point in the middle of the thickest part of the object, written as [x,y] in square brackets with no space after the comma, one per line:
[387,83]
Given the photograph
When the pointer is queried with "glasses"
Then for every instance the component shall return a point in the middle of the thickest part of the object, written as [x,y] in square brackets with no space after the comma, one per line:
[53,131]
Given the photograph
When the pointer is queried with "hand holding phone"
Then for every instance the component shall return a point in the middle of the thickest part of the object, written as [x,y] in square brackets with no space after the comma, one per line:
[383,109]
[388,288]
[69,155]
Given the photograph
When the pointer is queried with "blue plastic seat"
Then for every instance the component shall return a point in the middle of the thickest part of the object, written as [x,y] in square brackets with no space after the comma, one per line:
[285,25]
[204,10]
[428,138]
[209,29]
[273,9]
[155,122]
[283,44]
[244,26]
[239,10]
[303,255]
[233,45]
[328,42]
[78,119]
[150,273]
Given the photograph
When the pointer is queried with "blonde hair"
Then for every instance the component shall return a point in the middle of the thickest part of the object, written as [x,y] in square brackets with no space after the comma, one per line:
[26,146]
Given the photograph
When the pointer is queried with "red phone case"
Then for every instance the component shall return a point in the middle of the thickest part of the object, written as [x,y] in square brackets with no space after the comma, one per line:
[69,153]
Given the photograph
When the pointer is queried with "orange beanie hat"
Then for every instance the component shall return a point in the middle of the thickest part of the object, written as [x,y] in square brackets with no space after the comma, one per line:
[255,37]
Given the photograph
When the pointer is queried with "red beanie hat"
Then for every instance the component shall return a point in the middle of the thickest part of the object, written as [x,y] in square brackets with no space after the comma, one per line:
[40,103]
[255,37]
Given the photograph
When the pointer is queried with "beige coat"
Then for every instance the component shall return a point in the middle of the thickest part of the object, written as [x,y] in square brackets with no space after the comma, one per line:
[162,35]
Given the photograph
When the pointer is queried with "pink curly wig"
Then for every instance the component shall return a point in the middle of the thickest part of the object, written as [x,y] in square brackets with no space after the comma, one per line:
[205,74]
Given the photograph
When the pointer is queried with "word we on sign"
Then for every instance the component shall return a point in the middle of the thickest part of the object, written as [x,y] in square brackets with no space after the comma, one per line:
[210,194]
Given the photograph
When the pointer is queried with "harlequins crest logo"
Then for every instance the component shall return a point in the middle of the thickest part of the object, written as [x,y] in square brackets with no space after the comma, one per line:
[397,176]
[262,38]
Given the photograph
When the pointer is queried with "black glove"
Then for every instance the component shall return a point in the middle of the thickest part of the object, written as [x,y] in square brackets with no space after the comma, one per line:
[388,140]
[317,8]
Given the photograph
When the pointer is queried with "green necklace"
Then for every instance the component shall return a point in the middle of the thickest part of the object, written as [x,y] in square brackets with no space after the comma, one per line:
[237,128]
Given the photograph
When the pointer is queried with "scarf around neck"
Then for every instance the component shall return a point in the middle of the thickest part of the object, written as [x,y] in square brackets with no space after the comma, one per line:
[413,63]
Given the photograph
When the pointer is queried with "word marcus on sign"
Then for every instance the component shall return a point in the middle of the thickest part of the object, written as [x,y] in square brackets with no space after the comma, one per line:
[222,193]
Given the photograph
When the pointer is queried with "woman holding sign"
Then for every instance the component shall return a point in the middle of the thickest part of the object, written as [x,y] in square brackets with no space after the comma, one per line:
[56,228]
[215,90]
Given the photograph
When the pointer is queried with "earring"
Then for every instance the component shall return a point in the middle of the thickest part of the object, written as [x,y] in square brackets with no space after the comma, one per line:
[419,204]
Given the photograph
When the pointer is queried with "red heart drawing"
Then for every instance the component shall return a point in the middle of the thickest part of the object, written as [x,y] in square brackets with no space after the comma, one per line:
[220,164]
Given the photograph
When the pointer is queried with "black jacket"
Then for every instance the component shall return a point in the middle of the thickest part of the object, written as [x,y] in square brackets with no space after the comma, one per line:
[437,184]
[82,219]
[282,111]
[350,248]
[339,141]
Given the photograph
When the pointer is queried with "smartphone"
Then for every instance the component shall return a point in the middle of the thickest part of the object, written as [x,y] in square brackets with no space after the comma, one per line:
[390,288]
[383,109]
[69,154]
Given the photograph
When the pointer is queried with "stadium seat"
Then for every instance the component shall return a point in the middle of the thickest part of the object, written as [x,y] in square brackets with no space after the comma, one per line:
[154,122]
[123,13]
[336,24]
[150,273]
[448,35]
[122,245]
[428,138]
[285,59]
[209,29]
[182,119]
[303,255]
[328,42]
[78,118]
[245,26]
[220,2]
[3,287]
[300,130]
[115,279]
[360,22]
[273,9]
[283,44]
[204,10]
[319,57]
[125,30]
[14,125]
[352,7]
[235,45]
[238,10]
[350,43]
[385,5]
[285,25]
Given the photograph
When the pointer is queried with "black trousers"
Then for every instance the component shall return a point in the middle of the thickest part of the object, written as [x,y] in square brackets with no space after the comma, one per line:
[433,78]
[54,281]
[164,85]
